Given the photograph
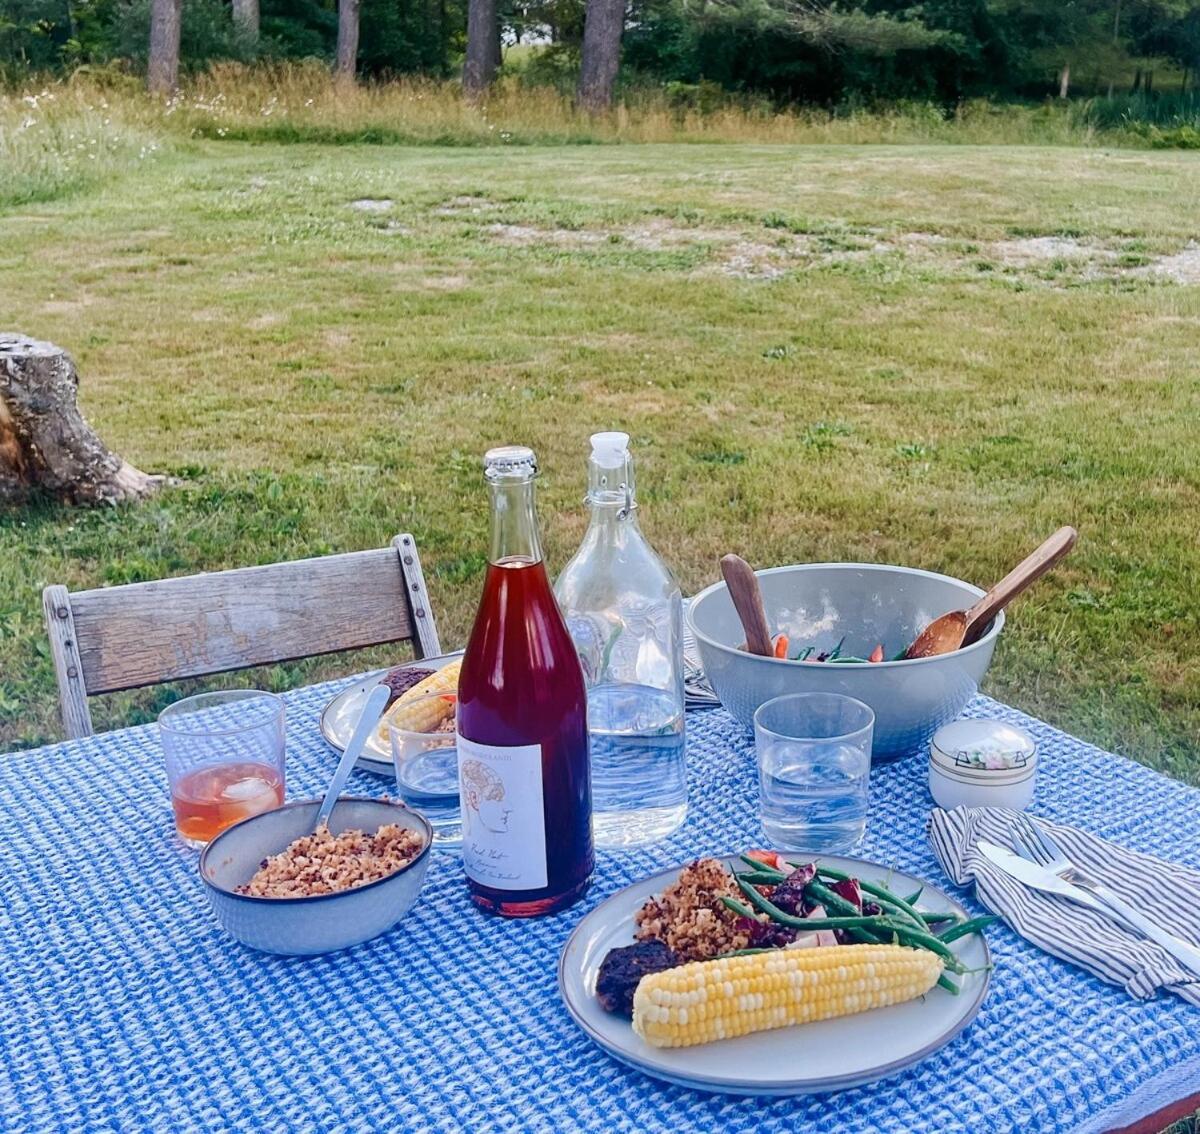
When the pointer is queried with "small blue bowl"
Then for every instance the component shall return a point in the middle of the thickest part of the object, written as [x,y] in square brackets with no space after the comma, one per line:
[322,923]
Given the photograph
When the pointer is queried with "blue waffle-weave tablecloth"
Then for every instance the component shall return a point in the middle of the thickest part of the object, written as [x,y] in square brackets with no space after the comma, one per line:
[124,1007]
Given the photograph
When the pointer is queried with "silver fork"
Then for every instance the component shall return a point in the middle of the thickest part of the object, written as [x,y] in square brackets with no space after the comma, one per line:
[1036,845]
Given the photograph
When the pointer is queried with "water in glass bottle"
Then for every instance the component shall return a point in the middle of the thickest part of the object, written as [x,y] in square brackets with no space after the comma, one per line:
[624,612]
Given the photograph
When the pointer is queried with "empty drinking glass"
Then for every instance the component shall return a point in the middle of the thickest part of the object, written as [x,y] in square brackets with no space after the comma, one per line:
[426,758]
[814,765]
[225,759]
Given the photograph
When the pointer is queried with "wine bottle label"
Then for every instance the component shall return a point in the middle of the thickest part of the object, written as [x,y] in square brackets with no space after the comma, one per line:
[504,826]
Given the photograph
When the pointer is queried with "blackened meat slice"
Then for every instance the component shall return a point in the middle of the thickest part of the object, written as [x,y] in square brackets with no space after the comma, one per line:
[401,679]
[621,970]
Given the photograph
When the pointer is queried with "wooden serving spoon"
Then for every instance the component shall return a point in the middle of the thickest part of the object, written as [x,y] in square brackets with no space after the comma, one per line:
[962,627]
[747,601]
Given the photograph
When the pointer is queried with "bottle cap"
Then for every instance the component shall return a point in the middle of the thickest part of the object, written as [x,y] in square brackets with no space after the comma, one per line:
[509,461]
[610,450]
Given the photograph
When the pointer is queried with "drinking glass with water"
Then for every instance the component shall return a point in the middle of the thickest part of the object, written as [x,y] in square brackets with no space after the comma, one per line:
[426,757]
[814,766]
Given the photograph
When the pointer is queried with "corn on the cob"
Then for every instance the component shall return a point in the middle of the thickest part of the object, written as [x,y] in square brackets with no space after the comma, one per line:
[732,996]
[425,717]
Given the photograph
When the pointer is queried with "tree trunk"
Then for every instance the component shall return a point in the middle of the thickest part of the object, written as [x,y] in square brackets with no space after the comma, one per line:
[1064,81]
[346,64]
[162,72]
[497,51]
[483,36]
[602,28]
[46,446]
[443,38]
[1117,22]
[246,17]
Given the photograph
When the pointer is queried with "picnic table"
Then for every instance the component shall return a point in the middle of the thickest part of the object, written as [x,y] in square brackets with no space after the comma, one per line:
[124,1006]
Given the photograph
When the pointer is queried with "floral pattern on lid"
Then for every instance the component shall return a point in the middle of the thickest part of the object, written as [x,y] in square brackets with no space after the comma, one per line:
[983,745]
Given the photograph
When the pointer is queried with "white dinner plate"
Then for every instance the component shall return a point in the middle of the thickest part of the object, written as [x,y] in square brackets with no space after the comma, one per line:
[341,715]
[805,1059]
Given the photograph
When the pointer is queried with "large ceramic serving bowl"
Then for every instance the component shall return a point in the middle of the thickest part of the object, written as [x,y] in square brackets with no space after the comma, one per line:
[322,923]
[815,604]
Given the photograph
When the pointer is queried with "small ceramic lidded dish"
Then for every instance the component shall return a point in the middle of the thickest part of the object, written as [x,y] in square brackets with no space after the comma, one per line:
[982,763]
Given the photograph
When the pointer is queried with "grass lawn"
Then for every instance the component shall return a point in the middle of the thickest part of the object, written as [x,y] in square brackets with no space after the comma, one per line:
[930,356]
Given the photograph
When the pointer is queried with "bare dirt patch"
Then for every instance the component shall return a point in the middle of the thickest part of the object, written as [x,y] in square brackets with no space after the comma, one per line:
[741,254]
[751,260]
[660,235]
[921,239]
[1033,250]
[1182,268]
[373,204]
[529,236]
[735,254]
[456,206]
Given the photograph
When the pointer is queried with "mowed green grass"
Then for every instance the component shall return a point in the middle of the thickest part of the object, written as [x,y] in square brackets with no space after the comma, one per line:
[821,353]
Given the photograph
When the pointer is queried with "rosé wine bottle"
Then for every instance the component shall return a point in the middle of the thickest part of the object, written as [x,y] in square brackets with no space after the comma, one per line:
[522,721]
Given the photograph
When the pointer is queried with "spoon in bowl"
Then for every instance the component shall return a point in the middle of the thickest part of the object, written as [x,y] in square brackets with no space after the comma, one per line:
[962,627]
[748,602]
[372,710]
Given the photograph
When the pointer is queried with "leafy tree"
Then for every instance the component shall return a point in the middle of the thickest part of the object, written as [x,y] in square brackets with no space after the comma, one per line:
[406,36]
[298,29]
[206,32]
[34,34]
[820,51]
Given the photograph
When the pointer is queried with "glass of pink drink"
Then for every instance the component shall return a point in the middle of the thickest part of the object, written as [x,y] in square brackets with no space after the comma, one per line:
[224,754]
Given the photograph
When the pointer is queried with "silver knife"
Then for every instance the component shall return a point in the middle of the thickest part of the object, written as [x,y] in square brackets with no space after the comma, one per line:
[1039,878]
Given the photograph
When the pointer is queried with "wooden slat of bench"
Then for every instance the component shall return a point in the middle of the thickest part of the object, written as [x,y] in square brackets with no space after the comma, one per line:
[189,627]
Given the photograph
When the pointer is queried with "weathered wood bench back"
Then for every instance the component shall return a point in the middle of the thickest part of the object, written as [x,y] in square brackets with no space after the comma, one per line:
[146,633]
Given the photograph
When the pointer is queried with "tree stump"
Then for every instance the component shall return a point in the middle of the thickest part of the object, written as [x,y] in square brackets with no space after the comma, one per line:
[46,446]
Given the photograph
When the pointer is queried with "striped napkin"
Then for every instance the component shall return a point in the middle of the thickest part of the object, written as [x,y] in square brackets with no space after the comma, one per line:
[1167,893]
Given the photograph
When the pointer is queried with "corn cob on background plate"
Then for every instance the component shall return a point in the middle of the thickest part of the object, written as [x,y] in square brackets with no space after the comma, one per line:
[341,715]
[806,1059]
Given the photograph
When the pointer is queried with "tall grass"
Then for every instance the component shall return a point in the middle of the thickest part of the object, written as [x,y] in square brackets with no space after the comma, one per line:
[293,102]
[1163,120]
[65,135]
[61,137]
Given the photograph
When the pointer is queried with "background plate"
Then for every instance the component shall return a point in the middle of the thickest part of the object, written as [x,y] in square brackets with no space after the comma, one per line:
[806,1059]
[341,715]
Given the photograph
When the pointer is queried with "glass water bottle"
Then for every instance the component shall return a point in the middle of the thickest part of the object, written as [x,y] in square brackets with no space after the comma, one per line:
[624,612]
[522,730]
